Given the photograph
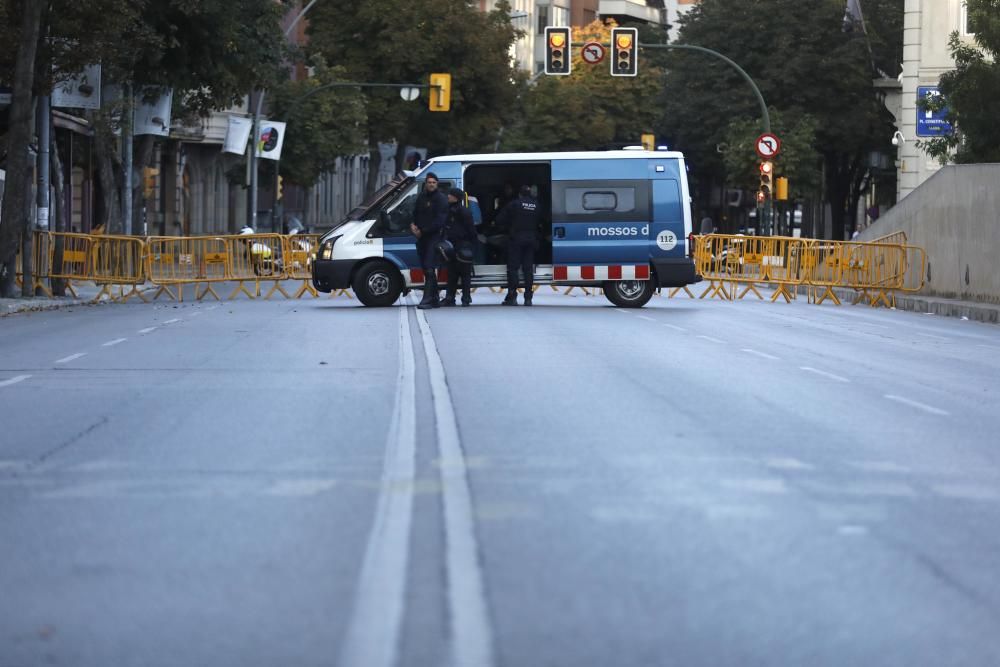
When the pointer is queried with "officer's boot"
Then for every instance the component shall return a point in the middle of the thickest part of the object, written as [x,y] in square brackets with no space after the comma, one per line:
[511,298]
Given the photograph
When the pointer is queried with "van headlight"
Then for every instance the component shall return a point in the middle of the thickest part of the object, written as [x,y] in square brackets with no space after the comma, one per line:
[326,250]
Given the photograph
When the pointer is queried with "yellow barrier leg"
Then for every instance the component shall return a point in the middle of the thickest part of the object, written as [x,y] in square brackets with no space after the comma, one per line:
[277,288]
[209,290]
[69,286]
[306,287]
[782,291]
[750,288]
[862,295]
[240,288]
[164,289]
[105,289]
[346,293]
[828,292]
[672,293]
[135,291]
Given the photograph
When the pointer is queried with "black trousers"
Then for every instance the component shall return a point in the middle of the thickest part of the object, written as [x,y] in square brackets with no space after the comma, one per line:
[429,264]
[459,270]
[521,255]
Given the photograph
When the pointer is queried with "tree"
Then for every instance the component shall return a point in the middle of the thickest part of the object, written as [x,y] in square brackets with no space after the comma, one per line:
[804,64]
[798,160]
[401,41]
[589,109]
[326,124]
[969,92]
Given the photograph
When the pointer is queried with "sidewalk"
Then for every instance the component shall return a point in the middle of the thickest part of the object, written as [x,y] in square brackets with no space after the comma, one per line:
[971,310]
[86,293]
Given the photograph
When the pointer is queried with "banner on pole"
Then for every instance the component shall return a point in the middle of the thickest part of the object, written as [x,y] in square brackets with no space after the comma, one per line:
[271,139]
[79,91]
[237,135]
[153,117]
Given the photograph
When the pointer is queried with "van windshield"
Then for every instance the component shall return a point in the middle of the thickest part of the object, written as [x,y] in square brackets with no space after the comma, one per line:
[380,196]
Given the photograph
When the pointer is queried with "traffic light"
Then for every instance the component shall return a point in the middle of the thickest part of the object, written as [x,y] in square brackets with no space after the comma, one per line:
[781,188]
[766,179]
[281,185]
[557,48]
[649,142]
[149,175]
[624,51]
[440,97]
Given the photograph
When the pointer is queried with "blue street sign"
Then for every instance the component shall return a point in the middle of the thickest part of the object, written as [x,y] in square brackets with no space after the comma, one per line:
[931,123]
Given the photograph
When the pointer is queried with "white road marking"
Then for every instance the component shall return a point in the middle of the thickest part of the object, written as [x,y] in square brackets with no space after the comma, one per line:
[789,464]
[880,466]
[966,491]
[760,354]
[197,312]
[915,404]
[111,343]
[675,327]
[66,360]
[810,369]
[713,340]
[147,330]
[470,631]
[647,318]
[176,319]
[927,335]
[14,380]
[373,634]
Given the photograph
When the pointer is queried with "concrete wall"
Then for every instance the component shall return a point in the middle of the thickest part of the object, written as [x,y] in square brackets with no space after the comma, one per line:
[955,216]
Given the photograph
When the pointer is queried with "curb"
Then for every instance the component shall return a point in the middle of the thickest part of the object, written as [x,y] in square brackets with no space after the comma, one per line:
[967,310]
[40,304]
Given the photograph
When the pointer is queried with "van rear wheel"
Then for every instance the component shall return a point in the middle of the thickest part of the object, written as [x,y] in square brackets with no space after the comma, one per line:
[628,293]
[377,284]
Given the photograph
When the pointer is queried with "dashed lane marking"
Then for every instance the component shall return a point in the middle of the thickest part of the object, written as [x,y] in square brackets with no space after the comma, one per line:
[72,357]
[927,335]
[14,380]
[647,318]
[675,327]
[810,369]
[147,330]
[765,355]
[712,340]
[176,319]
[916,404]
[114,342]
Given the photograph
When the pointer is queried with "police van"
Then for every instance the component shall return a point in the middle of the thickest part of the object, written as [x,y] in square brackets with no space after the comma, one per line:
[619,220]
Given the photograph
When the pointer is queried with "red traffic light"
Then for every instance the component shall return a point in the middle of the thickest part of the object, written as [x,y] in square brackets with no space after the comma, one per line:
[766,168]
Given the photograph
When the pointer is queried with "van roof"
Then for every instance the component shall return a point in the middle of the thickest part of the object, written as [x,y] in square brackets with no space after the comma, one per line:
[571,155]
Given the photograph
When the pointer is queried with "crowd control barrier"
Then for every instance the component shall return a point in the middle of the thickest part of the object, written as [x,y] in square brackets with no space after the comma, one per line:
[735,266]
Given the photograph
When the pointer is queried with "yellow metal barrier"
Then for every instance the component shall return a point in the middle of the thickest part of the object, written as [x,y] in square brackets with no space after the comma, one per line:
[174,261]
[75,260]
[297,255]
[117,261]
[253,258]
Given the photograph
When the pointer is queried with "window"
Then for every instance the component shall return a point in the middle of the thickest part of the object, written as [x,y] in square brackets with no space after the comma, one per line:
[560,15]
[543,18]
[398,216]
[584,201]
[963,21]
[601,200]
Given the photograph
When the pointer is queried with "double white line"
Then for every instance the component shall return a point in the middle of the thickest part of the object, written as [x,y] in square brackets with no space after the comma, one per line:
[374,631]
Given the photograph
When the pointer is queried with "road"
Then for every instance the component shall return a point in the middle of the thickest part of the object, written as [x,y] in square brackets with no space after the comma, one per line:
[315,483]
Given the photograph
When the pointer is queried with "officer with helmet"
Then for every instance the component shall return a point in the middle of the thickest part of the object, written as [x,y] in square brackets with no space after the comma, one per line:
[460,232]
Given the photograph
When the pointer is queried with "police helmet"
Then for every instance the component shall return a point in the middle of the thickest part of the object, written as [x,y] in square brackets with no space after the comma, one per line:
[445,249]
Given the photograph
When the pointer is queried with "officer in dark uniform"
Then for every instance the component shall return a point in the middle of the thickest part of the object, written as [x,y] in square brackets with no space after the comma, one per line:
[429,217]
[461,233]
[521,217]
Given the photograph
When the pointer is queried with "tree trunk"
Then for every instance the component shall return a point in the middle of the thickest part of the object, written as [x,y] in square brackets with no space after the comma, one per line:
[58,285]
[400,155]
[27,244]
[21,117]
[840,175]
[374,163]
[109,214]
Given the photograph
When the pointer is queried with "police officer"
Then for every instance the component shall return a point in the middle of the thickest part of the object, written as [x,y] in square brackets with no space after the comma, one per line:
[461,233]
[429,216]
[521,217]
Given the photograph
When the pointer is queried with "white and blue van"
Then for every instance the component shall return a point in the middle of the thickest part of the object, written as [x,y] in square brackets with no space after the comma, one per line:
[620,220]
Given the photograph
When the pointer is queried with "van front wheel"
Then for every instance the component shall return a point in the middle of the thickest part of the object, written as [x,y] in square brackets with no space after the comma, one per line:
[377,284]
[628,293]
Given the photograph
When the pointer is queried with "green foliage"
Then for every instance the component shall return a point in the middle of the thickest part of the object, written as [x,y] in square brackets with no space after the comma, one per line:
[401,41]
[589,109]
[798,160]
[970,91]
[323,124]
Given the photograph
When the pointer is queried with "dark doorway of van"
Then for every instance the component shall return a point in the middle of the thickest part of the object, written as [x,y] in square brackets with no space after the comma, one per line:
[494,185]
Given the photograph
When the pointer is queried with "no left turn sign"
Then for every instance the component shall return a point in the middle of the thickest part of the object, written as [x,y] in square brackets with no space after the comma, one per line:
[592,53]
[768,145]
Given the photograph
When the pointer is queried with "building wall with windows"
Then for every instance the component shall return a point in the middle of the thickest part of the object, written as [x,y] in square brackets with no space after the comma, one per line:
[926,30]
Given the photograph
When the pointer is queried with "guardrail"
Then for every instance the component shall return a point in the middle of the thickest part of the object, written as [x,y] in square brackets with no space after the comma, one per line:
[876,270]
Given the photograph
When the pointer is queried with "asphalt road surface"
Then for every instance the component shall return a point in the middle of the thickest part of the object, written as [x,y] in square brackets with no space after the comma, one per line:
[316,483]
